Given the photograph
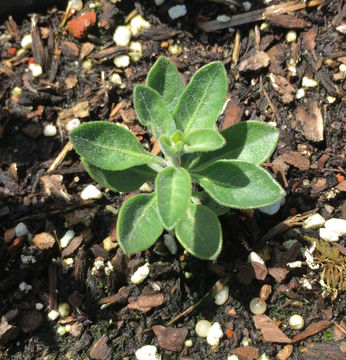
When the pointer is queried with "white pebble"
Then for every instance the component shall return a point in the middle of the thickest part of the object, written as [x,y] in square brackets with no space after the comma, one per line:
[214,335]
[331,99]
[21,230]
[63,309]
[24,287]
[341,28]
[328,235]
[202,328]
[136,50]
[36,69]
[138,24]
[342,67]
[91,192]
[39,306]
[175,49]
[338,226]
[177,11]
[291,36]
[254,257]
[223,18]
[222,296]
[188,343]
[170,243]
[140,274]
[300,93]
[159,2]
[246,341]
[296,322]
[76,4]
[314,221]
[17,91]
[258,307]
[26,42]
[87,65]
[116,79]
[72,124]
[308,82]
[53,315]
[147,352]
[247,5]
[65,240]
[50,130]
[68,261]
[122,61]
[122,35]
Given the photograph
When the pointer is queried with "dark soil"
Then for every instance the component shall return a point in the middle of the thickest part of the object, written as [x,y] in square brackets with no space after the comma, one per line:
[309,162]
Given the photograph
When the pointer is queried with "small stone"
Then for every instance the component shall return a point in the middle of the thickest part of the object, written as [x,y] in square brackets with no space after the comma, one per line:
[177,11]
[308,82]
[136,50]
[24,287]
[122,61]
[53,315]
[138,24]
[116,79]
[49,130]
[87,65]
[328,235]
[43,241]
[202,328]
[247,5]
[257,306]
[140,274]
[108,244]
[222,296]
[36,69]
[300,93]
[338,226]
[65,240]
[91,192]
[291,36]
[21,230]
[314,221]
[26,42]
[223,18]
[285,352]
[215,334]
[188,343]
[296,322]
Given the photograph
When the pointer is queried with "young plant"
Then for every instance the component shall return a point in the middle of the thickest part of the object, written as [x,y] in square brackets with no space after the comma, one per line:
[194,156]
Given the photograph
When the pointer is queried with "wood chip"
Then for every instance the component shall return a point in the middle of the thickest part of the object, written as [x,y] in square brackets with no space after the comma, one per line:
[100,350]
[285,352]
[233,113]
[279,273]
[269,330]
[80,110]
[246,352]
[312,329]
[255,62]
[86,49]
[170,338]
[72,246]
[342,186]
[8,332]
[71,82]
[283,87]
[145,303]
[69,48]
[286,21]
[316,351]
[43,241]
[52,185]
[295,159]
[318,185]
[311,121]
[84,216]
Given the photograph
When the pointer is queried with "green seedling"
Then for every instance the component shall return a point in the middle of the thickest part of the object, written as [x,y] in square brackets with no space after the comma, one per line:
[201,172]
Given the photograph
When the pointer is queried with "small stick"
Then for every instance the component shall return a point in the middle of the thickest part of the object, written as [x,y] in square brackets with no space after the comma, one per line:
[267,97]
[61,156]
[236,48]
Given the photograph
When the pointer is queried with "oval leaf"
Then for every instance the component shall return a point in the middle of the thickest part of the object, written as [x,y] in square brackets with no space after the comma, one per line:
[173,188]
[152,111]
[109,146]
[138,225]
[239,184]
[251,141]
[201,102]
[199,232]
[165,79]
[123,180]
[203,140]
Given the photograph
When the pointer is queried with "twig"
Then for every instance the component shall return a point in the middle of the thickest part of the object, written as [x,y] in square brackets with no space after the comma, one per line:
[267,97]
[236,48]
[257,15]
[61,156]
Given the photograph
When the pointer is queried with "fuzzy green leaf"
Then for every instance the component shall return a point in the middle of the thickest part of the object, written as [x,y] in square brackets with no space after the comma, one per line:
[109,146]
[251,141]
[173,188]
[165,79]
[239,184]
[203,140]
[201,102]
[152,111]
[199,232]
[123,180]
[138,225]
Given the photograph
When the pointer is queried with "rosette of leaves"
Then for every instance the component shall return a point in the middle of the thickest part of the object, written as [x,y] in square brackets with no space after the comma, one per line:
[226,164]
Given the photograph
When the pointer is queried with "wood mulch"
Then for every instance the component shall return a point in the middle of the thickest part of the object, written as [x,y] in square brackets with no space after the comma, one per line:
[297,86]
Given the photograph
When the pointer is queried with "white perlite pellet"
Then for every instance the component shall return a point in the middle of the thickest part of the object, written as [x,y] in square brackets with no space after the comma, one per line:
[338,226]
[147,352]
[24,287]
[65,240]
[122,61]
[328,235]
[122,35]
[53,315]
[72,124]
[177,11]
[138,24]
[50,130]
[76,4]
[21,230]
[308,82]
[36,69]
[26,42]
[222,296]
[314,221]
[140,274]
[215,334]
[91,192]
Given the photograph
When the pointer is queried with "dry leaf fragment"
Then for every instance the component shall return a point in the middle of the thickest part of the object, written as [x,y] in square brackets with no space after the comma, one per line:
[233,114]
[295,159]
[170,338]
[255,62]
[86,49]
[144,303]
[269,330]
[100,350]
[311,120]
[246,352]
[43,241]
